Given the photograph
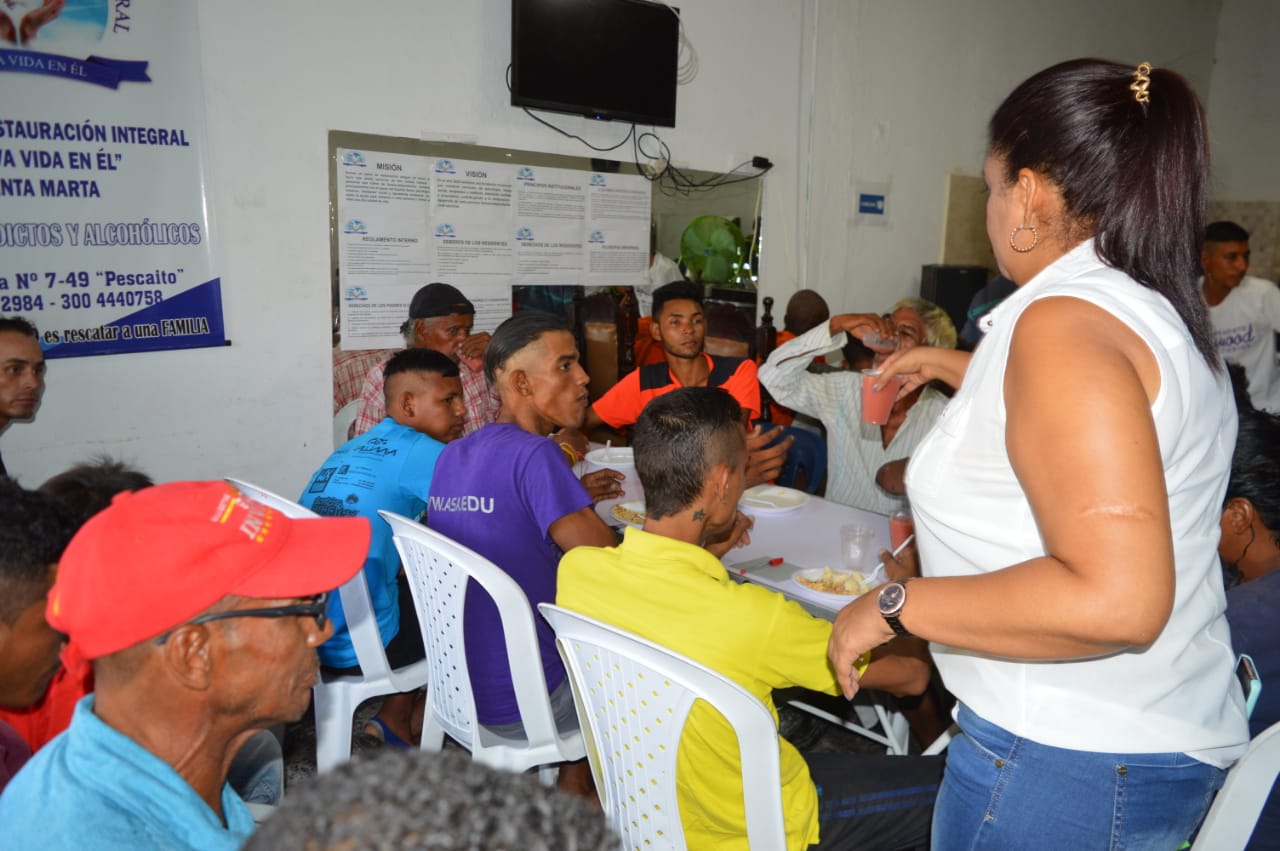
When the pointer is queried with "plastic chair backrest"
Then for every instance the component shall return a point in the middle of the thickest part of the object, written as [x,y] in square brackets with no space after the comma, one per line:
[438,568]
[342,422]
[635,697]
[808,453]
[1235,811]
[357,605]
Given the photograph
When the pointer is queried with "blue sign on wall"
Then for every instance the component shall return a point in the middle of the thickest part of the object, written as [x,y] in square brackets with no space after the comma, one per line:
[871,204]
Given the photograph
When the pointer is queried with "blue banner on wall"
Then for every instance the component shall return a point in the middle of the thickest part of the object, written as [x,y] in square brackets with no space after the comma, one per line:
[104,234]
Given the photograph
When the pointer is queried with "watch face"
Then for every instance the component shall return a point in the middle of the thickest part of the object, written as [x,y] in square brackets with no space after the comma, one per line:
[891,598]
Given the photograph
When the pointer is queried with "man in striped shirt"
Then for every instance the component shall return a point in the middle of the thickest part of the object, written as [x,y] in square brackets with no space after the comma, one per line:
[866,461]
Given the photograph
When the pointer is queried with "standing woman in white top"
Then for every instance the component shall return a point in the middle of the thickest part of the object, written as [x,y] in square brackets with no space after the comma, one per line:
[1066,503]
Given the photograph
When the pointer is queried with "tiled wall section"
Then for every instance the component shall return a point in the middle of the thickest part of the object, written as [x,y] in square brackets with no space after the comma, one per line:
[1262,220]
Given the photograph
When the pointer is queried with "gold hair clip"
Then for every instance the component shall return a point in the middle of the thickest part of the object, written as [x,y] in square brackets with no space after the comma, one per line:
[1141,79]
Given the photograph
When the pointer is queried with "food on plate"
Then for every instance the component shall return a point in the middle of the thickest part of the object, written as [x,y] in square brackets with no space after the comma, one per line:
[837,582]
[628,515]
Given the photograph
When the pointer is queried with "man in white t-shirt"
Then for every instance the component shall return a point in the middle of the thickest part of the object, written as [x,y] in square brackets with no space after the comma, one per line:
[1244,310]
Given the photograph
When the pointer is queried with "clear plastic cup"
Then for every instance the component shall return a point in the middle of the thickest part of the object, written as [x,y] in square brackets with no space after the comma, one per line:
[857,547]
[884,345]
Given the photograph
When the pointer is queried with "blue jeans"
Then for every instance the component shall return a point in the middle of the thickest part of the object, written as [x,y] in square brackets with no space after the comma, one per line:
[257,771]
[1001,791]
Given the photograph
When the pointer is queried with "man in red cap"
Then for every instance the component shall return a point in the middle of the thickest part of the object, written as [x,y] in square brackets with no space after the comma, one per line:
[201,611]
[440,318]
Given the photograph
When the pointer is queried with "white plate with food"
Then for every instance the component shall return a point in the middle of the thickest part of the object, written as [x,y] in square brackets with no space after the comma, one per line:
[772,499]
[631,513]
[837,587]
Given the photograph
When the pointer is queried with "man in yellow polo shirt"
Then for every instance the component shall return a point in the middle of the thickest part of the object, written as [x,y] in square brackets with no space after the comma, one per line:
[662,584]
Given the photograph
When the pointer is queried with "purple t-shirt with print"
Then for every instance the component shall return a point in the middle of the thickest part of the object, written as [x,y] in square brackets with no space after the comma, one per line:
[497,491]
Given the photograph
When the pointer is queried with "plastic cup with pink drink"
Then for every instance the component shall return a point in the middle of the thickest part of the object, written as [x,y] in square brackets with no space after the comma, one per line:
[876,404]
[901,527]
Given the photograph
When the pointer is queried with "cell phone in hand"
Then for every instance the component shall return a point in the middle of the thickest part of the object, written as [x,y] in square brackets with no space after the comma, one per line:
[1250,682]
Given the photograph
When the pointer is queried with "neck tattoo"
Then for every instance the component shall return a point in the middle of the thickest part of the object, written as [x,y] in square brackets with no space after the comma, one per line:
[699,515]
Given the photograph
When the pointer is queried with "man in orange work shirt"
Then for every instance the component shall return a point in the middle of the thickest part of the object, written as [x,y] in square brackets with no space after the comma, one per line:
[680,326]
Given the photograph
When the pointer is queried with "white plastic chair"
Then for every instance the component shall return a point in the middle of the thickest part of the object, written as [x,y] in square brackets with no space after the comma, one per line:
[635,697]
[943,741]
[438,569]
[877,721]
[875,717]
[1235,811]
[342,422]
[337,697]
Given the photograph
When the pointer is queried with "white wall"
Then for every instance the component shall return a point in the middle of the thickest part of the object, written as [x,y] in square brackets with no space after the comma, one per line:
[902,95]
[278,77]
[829,90]
[1244,104]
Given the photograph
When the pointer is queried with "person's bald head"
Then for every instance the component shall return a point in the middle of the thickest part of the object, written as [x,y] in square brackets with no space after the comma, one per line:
[806,310]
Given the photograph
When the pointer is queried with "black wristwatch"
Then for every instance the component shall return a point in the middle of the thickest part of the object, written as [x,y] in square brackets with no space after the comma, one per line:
[890,601]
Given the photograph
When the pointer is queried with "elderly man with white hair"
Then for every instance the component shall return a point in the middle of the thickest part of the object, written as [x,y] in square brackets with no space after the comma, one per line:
[866,461]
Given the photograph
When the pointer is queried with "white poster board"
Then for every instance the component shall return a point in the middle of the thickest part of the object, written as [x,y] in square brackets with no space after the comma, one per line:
[404,220]
[104,234]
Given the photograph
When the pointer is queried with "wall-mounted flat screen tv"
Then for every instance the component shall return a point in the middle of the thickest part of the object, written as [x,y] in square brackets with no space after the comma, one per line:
[605,59]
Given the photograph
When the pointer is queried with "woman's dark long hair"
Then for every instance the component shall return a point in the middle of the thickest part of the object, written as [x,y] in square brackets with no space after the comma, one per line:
[1134,175]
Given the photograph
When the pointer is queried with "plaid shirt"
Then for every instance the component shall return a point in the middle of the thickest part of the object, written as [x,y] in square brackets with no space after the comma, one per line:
[349,371]
[480,400]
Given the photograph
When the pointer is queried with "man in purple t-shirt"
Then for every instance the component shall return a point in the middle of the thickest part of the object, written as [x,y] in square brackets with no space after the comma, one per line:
[507,492]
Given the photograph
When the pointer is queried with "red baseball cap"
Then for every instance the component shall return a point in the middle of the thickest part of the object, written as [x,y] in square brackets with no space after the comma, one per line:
[156,558]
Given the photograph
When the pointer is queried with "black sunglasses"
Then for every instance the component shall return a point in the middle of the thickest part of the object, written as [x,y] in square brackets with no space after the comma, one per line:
[317,609]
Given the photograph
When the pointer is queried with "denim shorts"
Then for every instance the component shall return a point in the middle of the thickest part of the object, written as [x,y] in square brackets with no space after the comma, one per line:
[562,707]
[257,771]
[1000,791]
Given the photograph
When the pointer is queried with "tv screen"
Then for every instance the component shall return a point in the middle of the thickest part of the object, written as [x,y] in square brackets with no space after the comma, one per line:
[610,59]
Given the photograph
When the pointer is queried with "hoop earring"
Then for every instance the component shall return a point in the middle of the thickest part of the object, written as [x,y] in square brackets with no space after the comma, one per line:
[1035,238]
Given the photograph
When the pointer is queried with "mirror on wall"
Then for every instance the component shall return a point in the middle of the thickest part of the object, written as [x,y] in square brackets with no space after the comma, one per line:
[404,212]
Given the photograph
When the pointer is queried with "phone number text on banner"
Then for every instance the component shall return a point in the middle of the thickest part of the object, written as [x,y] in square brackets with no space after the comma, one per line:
[104,235]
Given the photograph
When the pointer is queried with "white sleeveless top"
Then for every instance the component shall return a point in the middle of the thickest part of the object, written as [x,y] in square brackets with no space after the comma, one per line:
[1180,693]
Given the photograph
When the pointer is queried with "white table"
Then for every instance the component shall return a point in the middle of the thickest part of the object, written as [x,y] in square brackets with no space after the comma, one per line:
[631,489]
[806,537]
[809,537]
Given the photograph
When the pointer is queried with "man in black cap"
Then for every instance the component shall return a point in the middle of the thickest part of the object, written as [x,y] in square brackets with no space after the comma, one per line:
[440,318]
